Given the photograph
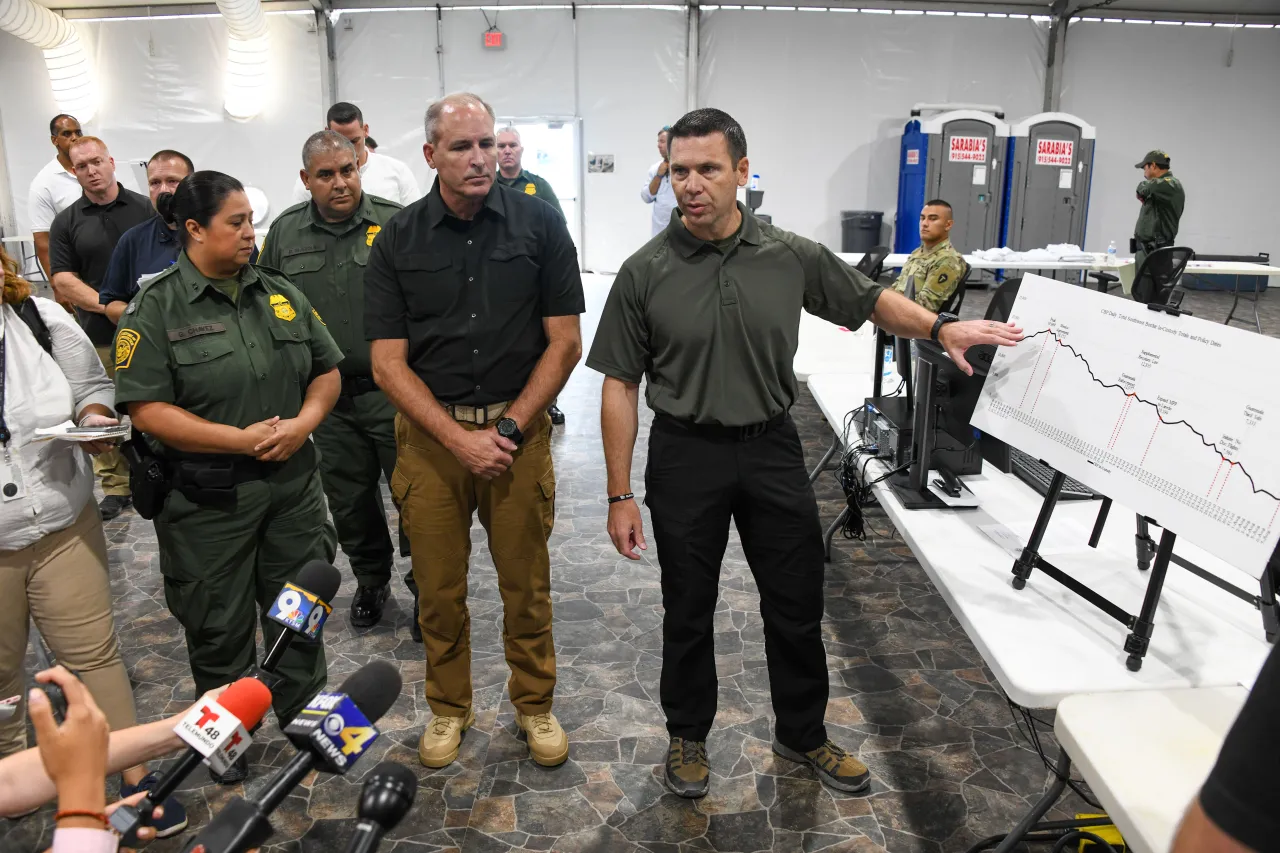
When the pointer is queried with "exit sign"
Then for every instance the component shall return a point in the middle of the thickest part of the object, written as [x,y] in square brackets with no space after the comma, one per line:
[494,40]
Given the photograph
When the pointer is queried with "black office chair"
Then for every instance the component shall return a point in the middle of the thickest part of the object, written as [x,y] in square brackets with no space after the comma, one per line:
[956,299]
[1001,304]
[1106,281]
[1157,278]
[872,263]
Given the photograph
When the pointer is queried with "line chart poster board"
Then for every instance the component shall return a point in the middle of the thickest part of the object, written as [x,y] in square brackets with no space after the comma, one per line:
[1174,417]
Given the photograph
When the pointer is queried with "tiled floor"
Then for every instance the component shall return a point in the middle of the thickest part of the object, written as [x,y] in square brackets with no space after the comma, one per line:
[909,694]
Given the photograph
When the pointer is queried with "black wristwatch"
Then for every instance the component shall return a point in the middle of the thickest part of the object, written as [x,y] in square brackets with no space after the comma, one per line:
[943,319]
[507,429]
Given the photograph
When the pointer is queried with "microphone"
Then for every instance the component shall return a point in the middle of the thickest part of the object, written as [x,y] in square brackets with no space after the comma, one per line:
[385,799]
[301,607]
[216,732]
[331,733]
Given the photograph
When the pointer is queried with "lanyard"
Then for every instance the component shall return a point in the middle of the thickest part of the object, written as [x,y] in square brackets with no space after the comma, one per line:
[5,435]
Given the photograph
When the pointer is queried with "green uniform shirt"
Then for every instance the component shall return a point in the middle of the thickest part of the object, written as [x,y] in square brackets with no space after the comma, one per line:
[715,330]
[531,184]
[327,260]
[1162,202]
[935,273]
[183,341]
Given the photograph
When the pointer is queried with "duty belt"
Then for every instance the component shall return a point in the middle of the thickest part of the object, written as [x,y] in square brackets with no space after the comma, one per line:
[478,414]
[354,386]
[716,432]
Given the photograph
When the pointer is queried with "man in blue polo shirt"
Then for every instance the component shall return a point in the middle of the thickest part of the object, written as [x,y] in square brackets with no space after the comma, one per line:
[151,247]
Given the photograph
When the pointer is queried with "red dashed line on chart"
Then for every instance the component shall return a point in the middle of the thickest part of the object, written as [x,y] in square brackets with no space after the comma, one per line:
[1034,367]
[1215,477]
[1149,440]
[1231,466]
[1124,413]
[1045,378]
[1273,517]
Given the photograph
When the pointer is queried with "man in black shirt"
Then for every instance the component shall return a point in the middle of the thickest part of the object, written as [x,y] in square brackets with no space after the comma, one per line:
[1236,810]
[472,297]
[81,241]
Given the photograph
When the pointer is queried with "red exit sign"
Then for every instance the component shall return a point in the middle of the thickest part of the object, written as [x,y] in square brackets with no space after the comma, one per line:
[494,39]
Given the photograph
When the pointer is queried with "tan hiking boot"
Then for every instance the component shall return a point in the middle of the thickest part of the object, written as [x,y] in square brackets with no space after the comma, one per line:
[438,746]
[688,772]
[548,744]
[833,764]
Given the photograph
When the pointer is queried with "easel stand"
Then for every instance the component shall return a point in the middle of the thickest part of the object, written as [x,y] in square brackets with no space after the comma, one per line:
[1156,556]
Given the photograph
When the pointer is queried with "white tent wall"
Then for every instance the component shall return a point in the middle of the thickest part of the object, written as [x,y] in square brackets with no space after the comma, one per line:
[161,86]
[632,71]
[823,97]
[1152,86]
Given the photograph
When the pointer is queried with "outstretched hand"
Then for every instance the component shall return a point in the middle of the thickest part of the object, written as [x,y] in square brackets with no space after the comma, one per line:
[957,337]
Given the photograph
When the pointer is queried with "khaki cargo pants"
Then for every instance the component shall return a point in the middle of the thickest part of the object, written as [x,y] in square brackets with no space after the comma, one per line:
[437,498]
[111,467]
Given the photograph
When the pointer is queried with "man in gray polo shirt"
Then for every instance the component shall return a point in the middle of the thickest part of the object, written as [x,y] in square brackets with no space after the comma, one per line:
[709,311]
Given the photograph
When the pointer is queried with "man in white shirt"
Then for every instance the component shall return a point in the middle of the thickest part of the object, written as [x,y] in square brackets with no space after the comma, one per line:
[55,186]
[380,174]
[658,191]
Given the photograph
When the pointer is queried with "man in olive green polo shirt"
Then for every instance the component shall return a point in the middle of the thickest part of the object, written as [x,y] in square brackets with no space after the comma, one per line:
[709,311]
[323,246]
[1163,200]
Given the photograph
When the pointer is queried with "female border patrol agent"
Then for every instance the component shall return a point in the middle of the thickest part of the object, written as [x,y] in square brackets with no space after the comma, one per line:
[230,369]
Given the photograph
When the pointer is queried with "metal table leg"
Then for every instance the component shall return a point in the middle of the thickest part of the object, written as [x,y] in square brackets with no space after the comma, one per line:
[826,457]
[1040,809]
[831,531]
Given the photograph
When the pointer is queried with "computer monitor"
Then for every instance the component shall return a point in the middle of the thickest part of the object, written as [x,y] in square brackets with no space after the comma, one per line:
[942,439]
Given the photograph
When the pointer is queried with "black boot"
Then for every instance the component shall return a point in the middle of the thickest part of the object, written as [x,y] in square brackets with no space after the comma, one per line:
[366,606]
[557,416]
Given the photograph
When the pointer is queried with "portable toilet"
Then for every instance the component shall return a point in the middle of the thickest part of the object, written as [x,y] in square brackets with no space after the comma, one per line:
[957,156]
[1049,170]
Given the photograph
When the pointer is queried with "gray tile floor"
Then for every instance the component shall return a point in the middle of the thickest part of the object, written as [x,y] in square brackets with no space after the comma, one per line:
[909,694]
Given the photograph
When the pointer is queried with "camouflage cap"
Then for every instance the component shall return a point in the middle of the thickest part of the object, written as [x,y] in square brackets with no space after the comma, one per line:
[1157,157]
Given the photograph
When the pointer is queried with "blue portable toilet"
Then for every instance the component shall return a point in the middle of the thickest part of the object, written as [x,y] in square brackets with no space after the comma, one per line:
[957,156]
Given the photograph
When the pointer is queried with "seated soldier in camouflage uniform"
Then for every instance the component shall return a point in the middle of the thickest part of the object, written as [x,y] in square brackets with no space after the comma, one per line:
[933,271]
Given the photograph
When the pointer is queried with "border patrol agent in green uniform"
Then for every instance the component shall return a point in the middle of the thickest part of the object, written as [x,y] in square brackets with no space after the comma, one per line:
[323,246]
[229,368]
[933,271]
[1163,200]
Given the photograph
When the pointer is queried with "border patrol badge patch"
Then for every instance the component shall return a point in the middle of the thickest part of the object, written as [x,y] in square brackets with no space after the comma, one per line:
[371,233]
[316,314]
[126,343]
[530,189]
[281,306]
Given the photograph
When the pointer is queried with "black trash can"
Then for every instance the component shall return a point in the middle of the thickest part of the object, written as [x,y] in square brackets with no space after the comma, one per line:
[860,230]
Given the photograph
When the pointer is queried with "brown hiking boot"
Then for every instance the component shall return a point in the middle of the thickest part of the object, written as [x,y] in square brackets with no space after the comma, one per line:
[438,746]
[548,744]
[834,766]
[688,771]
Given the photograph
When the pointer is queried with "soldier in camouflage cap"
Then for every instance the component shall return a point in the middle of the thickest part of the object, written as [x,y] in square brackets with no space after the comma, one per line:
[1162,200]
[932,273]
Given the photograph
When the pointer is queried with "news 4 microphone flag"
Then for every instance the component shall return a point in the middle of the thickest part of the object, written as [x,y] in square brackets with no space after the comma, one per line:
[339,731]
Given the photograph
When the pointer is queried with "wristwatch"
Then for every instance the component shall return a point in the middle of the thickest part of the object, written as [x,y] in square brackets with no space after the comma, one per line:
[507,429]
[943,319]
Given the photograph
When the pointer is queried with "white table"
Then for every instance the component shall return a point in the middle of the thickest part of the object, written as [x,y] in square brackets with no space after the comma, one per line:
[827,348]
[1097,263]
[1146,754]
[1044,643]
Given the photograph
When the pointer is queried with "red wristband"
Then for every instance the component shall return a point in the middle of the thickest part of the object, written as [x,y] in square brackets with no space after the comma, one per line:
[101,816]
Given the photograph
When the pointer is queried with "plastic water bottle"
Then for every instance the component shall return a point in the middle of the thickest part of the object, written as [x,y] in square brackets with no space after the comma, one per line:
[1111,254]
[890,367]
[755,182]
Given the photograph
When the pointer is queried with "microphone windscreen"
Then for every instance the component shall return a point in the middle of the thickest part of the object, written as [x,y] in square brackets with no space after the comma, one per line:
[320,579]
[391,774]
[248,699]
[373,688]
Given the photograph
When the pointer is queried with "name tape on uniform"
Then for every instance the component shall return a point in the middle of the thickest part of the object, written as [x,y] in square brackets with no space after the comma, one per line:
[215,733]
[299,610]
[337,729]
[968,149]
[1055,152]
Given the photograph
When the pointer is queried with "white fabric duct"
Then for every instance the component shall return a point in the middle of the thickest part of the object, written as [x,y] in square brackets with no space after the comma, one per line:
[247,49]
[65,58]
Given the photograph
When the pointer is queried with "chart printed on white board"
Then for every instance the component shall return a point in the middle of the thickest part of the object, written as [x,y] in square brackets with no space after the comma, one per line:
[1174,417]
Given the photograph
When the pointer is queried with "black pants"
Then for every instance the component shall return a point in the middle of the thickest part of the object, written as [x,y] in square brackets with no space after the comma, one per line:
[695,485]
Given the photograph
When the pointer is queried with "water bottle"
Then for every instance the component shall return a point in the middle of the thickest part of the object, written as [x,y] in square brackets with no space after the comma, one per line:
[1111,254]
[755,182]
[890,367]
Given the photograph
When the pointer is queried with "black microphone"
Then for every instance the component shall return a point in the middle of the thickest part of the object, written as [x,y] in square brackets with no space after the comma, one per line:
[331,733]
[301,607]
[385,799]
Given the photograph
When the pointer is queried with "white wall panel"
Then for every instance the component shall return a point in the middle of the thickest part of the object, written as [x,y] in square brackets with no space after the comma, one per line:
[633,83]
[823,97]
[1148,87]
[160,84]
